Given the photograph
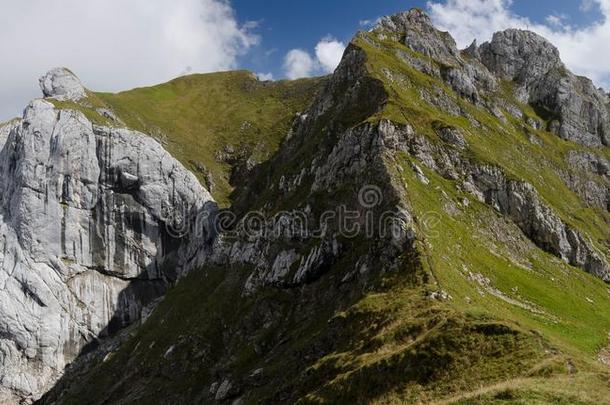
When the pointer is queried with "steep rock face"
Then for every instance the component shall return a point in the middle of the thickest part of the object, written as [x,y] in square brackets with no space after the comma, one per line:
[519,55]
[5,130]
[294,250]
[589,162]
[419,34]
[87,224]
[414,29]
[578,111]
[591,180]
[297,249]
[520,202]
[581,110]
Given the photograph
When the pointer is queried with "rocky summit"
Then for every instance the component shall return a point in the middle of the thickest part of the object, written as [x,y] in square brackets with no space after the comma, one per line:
[425,225]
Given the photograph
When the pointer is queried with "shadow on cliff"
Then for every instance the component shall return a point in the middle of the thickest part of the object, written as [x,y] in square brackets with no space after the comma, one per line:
[135,302]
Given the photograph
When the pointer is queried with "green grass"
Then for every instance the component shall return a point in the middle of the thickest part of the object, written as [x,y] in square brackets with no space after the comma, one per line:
[575,305]
[319,345]
[504,145]
[198,116]
[89,106]
[578,389]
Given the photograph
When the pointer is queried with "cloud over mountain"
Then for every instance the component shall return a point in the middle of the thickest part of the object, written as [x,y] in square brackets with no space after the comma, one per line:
[114,44]
[299,63]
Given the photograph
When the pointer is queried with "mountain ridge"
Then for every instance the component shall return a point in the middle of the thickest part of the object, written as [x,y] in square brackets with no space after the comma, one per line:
[344,142]
[498,192]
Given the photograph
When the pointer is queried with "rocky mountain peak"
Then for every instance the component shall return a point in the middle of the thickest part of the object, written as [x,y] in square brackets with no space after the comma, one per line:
[414,29]
[522,60]
[519,55]
[61,83]
[399,22]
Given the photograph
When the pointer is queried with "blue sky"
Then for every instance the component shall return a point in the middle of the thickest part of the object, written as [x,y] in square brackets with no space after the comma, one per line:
[115,45]
[285,25]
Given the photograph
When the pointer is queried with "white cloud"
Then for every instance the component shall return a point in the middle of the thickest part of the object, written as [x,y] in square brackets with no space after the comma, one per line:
[299,63]
[264,76]
[114,44]
[558,21]
[470,19]
[329,52]
[369,24]
[587,5]
[580,48]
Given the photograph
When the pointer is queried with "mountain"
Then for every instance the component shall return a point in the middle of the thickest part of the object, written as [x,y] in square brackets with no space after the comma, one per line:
[91,210]
[427,224]
[85,246]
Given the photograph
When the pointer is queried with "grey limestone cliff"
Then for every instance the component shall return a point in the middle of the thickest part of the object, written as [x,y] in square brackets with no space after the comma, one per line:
[84,239]
[578,110]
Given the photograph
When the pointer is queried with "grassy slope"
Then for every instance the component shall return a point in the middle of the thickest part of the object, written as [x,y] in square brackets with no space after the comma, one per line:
[323,346]
[197,116]
[538,291]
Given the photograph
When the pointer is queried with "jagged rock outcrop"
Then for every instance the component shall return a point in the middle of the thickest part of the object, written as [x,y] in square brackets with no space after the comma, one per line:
[518,200]
[577,110]
[278,261]
[62,84]
[589,162]
[5,130]
[521,56]
[87,222]
[522,204]
[415,30]
[589,177]
[419,34]
[298,246]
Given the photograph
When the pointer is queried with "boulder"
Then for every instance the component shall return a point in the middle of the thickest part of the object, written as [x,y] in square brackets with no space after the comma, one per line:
[62,84]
